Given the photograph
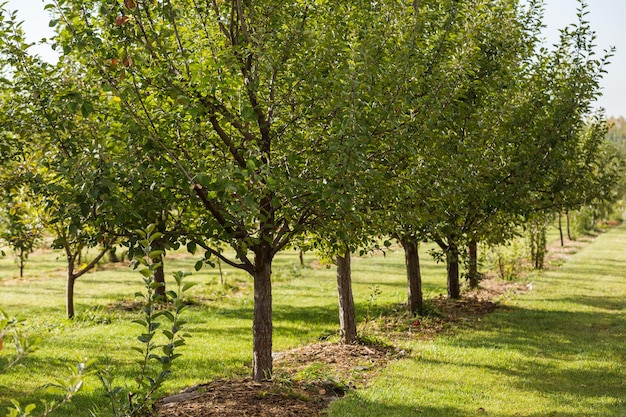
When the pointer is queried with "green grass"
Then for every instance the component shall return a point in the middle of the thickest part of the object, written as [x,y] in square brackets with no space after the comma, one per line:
[559,350]
[555,351]
[305,309]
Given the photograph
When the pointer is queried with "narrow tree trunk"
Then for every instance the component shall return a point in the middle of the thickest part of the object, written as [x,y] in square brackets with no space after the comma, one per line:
[472,273]
[73,274]
[262,322]
[569,232]
[347,319]
[21,262]
[69,290]
[452,263]
[561,229]
[301,257]
[159,276]
[414,276]
[219,267]
[159,272]
[541,246]
[113,257]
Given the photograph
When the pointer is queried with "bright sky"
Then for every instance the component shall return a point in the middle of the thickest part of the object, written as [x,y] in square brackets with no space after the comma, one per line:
[606,17]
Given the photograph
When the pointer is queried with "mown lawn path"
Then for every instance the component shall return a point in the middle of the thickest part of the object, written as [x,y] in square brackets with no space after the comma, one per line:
[558,350]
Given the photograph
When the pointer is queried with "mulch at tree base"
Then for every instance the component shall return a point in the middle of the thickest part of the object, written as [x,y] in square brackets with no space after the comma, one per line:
[308,378]
[243,397]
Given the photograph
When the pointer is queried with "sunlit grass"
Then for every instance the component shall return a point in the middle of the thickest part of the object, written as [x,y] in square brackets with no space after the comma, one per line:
[555,351]
[220,320]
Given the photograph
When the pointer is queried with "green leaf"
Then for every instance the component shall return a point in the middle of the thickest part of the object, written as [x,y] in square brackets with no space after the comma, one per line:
[192,247]
[168,314]
[140,322]
[155,285]
[145,338]
[156,254]
[198,265]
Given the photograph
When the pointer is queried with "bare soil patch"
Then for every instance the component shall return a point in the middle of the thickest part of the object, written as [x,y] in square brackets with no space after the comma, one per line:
[557,254]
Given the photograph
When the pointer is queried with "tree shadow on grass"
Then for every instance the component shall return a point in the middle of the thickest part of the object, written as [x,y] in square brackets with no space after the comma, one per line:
[355,405]
[615,303]
[556,333]
[576,354]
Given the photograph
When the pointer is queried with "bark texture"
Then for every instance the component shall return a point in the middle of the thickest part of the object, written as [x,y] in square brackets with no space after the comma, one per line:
[69,291]
[452,263]
[414,276]
[262,322]
[472,273]
[347,320]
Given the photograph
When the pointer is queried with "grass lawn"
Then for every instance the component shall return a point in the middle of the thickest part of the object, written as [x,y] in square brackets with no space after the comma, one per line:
[559,350]
[305,310]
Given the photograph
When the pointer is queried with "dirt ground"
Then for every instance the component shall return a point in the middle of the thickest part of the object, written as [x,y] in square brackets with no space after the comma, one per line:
[308,378]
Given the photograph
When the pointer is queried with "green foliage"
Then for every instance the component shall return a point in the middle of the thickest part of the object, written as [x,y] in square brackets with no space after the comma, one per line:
[68,386]
[507,259]
[617,132]
[248,124]
[23,345]
[583,222]
[20,226]
[161,338]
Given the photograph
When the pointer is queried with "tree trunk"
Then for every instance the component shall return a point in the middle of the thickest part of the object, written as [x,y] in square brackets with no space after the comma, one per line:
[452,263]
[73,274]
[113,257]
[159,272]
[414,276]
[301,257]
[541,246]
[569,232]
[347,319]
[561,229]
[21,262]
[69,290]
[472,273]
[159,276]
[219,267]
[262,322]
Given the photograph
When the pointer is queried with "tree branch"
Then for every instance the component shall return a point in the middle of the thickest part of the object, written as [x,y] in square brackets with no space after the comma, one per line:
[91,264]
[246,264]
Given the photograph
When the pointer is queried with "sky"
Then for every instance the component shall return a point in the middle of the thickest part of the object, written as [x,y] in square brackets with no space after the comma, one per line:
[606,16]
